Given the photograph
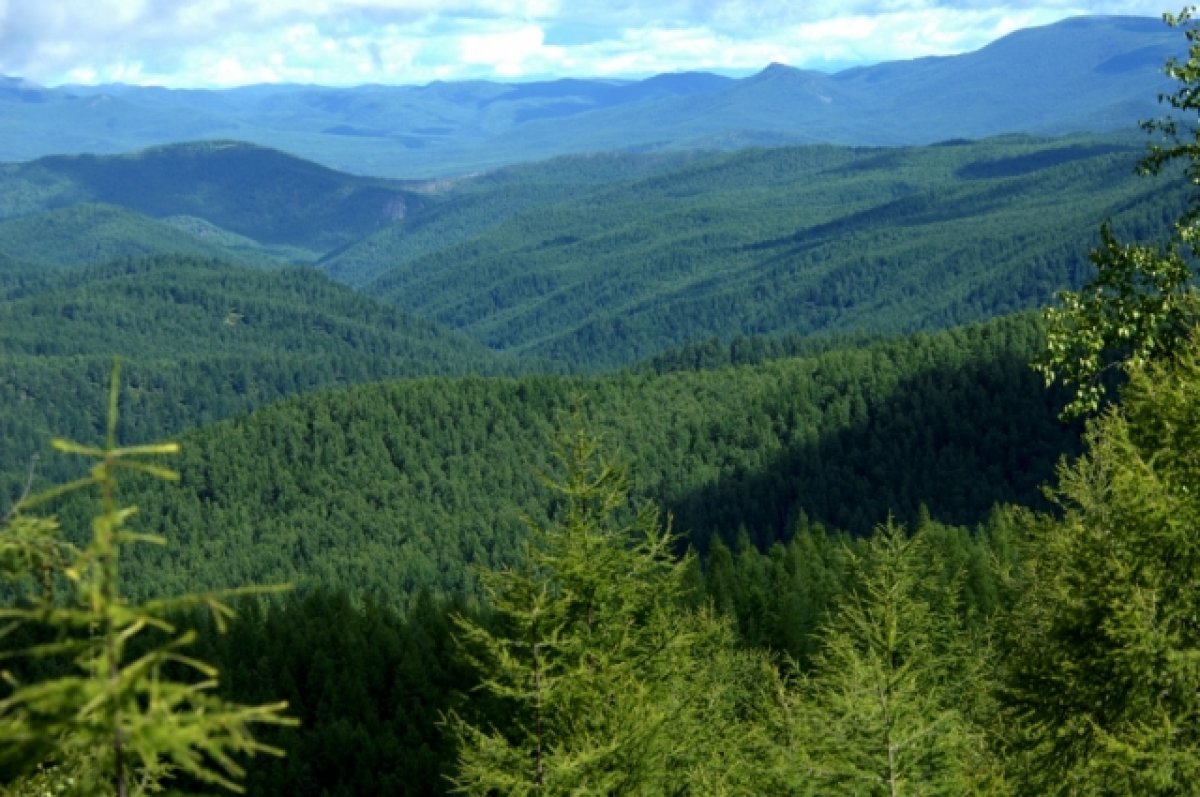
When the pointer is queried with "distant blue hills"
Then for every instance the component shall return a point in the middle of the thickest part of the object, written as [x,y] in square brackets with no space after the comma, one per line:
[1082,74]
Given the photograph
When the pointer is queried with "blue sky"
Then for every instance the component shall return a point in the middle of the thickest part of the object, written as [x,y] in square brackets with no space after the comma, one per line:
[217,43]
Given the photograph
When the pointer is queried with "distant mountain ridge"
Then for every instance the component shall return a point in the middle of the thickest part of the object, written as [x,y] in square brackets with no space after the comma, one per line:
[249,190]
[1082,74]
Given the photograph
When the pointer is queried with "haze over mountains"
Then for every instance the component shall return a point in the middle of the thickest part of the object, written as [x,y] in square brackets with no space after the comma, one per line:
[1087,73]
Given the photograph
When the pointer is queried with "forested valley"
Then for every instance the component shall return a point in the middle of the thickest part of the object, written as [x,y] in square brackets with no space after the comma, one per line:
[807,470]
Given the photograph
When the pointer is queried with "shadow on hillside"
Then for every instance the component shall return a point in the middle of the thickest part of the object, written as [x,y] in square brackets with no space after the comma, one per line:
[957,440]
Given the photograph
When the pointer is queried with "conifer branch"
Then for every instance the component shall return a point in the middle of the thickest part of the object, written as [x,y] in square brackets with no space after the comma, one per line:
[16,505]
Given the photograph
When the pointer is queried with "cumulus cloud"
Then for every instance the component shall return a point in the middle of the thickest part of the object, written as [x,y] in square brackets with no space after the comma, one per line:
[339,42]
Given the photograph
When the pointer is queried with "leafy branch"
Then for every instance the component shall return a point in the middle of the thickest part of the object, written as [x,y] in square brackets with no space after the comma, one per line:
[1142,304]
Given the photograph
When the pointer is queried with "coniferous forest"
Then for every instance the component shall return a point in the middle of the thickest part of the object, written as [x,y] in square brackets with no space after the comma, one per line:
[809,470]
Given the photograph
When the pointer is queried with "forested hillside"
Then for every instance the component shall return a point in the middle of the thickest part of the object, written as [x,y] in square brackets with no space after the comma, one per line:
[787,240]
[260,193]
[222,198]
[404,485]
[600,261]
[203,340]
[92,234]
[468,208]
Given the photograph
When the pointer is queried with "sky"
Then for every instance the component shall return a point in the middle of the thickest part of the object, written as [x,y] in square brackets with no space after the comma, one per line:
[221,43]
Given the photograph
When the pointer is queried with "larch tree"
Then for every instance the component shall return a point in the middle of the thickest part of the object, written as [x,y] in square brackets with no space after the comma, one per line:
[1102,677]
[888,708]
[605,683]
[127,708]
[1103,664]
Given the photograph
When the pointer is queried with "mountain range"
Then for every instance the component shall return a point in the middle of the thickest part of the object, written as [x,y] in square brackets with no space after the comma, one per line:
[1086,73]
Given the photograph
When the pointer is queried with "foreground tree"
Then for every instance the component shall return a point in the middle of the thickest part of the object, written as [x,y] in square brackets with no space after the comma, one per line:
[604,684]
[891,705]
[1104,644]
[122,719]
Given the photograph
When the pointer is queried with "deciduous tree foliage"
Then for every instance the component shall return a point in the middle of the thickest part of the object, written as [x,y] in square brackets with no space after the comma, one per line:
[1142,301]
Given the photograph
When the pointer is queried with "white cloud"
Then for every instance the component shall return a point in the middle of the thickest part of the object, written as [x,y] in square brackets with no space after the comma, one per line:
[227,42]
[506,53]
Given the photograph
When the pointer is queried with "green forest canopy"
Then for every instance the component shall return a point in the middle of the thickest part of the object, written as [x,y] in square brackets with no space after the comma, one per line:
[405,485]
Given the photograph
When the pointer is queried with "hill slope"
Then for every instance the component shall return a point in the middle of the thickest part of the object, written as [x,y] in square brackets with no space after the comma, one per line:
[255,192]
[202,340]
[813,239]
[602,260]
[90,234]
[462,209]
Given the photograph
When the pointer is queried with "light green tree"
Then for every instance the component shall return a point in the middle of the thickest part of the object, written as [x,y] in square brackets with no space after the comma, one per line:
[124,718]
[607,684]
[891,704]
[1102,679]
[1103,647]
[1142,302]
